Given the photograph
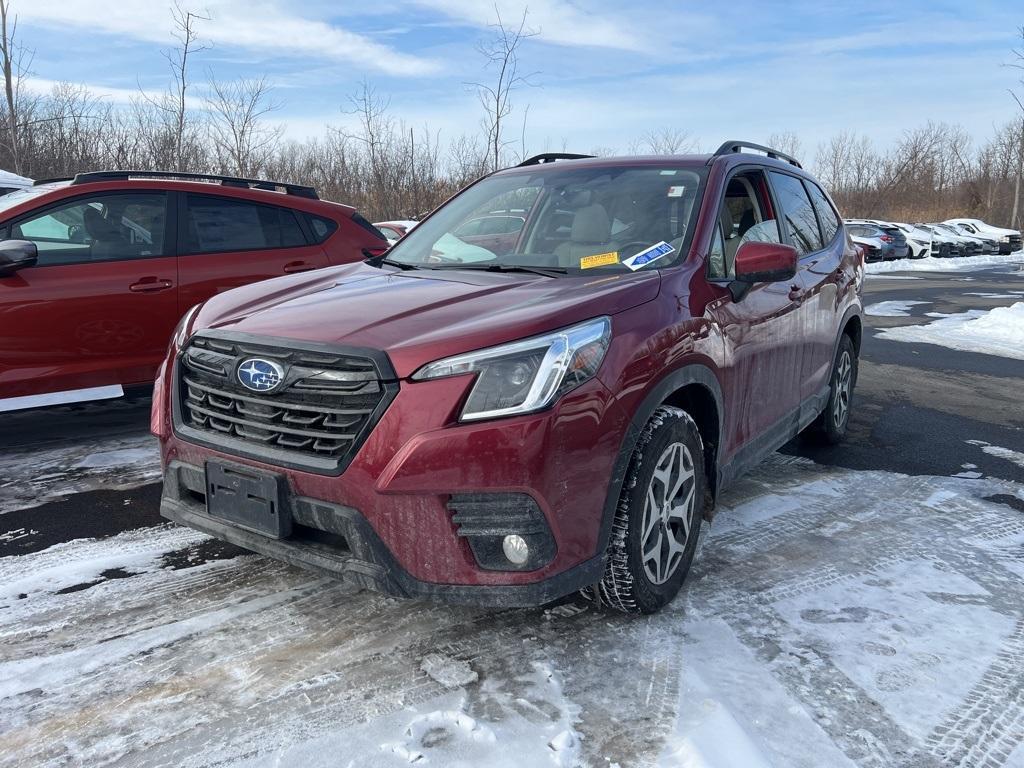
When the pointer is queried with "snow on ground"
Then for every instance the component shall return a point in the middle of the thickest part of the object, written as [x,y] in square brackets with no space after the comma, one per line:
[60,471]
[932,264]
[1010,455]
[891,308]
[823,624]
[998,331]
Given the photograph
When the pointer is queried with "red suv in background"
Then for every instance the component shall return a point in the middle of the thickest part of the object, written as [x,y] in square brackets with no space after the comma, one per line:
[96,271]
[508,425]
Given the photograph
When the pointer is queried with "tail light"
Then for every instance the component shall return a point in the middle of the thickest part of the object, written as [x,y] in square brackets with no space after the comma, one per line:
[886,238]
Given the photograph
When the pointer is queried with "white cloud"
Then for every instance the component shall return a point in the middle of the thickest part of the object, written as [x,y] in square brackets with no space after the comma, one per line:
[266,26]
[44,87]
[557,21]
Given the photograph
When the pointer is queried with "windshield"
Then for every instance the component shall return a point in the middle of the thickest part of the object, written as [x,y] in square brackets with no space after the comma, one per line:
[563,220]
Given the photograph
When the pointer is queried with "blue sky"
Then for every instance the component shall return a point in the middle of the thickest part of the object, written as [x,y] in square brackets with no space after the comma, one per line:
[607,72]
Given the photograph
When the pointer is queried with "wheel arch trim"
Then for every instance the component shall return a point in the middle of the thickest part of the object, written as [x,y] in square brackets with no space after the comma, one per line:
[686,375]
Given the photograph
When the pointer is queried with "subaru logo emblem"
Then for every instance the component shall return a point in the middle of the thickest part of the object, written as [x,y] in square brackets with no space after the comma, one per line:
[260,375]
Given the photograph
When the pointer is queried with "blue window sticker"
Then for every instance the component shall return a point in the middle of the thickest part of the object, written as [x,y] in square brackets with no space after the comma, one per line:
[645,257]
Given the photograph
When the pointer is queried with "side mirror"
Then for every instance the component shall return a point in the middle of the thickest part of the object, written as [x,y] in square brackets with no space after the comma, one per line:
[765,262]
[15,255]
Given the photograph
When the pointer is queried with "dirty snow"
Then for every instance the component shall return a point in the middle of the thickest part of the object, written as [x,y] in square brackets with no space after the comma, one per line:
[998,331]
[932,264]
[891,308]
[822,625]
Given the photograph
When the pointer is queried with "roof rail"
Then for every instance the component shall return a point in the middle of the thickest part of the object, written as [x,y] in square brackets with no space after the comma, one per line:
[54,180]
[732,146]
[298,190]
[550,157]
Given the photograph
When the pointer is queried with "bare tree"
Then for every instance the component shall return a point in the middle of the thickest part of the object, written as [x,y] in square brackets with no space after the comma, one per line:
[1018,63]
[787,142]
[501,53]
[664,141]
[174,103]
[242,140]
[15,62]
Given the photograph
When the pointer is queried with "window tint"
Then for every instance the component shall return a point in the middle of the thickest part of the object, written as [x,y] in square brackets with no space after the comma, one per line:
[322,228]
[827,216]
[97,228]
[797,213]
[221,224]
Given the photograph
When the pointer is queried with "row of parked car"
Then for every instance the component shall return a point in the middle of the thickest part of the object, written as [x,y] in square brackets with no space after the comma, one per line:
[887,240]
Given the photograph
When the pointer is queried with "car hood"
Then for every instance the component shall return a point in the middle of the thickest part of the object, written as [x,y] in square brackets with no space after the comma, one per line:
[420,316]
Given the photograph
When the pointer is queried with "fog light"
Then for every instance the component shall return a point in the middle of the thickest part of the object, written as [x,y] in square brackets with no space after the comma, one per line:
[515,549]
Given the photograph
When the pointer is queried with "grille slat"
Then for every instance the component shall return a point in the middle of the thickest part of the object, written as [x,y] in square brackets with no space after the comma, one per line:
[306,419]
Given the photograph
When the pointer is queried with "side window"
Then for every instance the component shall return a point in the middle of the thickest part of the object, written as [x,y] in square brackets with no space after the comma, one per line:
[470,228]
[322,228]
[827,216]
[98,228]
[219,224]
[797,213]
[745,215]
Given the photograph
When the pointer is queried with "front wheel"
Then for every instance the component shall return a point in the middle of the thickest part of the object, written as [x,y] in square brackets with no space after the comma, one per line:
[657,522]
[831,424]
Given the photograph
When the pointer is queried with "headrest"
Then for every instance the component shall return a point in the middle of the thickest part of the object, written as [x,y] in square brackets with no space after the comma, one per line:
[591,225]
[98,227]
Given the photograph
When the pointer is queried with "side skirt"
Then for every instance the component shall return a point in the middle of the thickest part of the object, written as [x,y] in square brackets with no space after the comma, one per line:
[61,398]
[780,433]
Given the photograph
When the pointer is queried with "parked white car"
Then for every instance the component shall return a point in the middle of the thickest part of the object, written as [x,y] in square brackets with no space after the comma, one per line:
[1009,239]
[975,245]
[921,241]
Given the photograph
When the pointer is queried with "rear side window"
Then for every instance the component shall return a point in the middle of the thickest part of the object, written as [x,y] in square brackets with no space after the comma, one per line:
[797,213]
[827,216]
[362,222]
[219,224]
[322,228]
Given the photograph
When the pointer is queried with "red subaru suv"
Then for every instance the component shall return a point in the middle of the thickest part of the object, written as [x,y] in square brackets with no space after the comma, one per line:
[96,271]
[507,425]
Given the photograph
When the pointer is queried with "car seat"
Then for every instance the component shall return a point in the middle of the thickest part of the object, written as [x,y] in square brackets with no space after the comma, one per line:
[591,234]
[107,240]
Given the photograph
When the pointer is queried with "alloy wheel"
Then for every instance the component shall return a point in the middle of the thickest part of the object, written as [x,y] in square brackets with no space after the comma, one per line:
[844,380]
[668,513]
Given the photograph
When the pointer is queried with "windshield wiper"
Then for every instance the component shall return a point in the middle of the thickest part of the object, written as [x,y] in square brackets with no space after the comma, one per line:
[377,261]
[545,271]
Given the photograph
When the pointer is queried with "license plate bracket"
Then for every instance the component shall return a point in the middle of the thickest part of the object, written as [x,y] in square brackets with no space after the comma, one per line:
[248,498]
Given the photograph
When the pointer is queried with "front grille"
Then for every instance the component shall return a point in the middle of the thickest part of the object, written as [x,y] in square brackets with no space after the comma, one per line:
[317,418]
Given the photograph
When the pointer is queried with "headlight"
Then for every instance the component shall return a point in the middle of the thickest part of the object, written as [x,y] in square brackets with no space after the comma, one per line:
[528,375]
[179,337]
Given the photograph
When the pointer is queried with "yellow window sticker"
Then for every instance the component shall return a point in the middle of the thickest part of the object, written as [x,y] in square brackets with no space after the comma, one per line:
[599,260]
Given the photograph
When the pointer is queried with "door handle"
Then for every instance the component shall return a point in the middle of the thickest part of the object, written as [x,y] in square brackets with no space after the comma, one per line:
[150,285]
[298,266]
[796,294]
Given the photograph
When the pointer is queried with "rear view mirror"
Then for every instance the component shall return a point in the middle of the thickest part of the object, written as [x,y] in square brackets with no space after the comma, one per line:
[15,255]
[765,262]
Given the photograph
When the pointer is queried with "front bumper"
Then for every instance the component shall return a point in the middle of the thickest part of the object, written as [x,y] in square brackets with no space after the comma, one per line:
[347,548]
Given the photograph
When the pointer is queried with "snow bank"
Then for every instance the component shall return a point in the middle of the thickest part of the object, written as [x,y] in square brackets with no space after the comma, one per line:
[891,308]
[931,264]
[998,331]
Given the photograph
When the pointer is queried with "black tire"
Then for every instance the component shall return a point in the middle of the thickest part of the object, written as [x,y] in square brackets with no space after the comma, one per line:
[831,424]
[627,584]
